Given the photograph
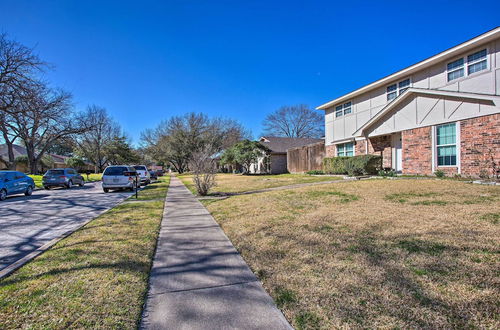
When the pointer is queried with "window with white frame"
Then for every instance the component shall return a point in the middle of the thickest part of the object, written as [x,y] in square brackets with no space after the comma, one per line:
[343,109]
[446,144]
[475,62]
[345,149]
[397,89]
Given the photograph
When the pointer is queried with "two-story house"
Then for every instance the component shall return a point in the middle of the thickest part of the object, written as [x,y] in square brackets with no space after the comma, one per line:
[442,113]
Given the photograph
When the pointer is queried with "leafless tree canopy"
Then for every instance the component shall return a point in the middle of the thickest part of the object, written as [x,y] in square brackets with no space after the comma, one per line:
[18,67]
[176,140]
[296,121]
[93,143]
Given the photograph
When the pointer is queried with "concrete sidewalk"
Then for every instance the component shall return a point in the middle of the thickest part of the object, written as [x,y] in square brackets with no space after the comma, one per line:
[199,280]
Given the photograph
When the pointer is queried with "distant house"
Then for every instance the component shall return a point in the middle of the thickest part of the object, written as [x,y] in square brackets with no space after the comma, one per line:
[276,161]
[442,113]
[59,161]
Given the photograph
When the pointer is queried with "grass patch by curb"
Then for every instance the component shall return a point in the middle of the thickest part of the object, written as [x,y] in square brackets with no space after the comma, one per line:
[95,278]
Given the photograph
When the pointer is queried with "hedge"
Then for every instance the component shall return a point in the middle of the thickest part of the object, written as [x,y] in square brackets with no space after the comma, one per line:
[353,166]
[335,165]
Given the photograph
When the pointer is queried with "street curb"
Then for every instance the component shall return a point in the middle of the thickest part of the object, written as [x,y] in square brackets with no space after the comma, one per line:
[27,258]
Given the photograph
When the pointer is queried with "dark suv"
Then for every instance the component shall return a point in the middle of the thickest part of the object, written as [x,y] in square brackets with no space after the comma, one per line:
[62,177]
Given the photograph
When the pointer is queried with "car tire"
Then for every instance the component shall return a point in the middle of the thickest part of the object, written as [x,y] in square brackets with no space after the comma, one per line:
[46,187]
[69,185]
[105,190]
[82,183]
[29,191]
[3,195]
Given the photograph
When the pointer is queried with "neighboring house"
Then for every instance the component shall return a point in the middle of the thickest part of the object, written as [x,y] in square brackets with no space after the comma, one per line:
[442,113]
[276,161]
[59,161]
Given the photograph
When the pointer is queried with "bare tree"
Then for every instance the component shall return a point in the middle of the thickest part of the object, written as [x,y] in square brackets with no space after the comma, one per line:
[18,67]
[93,143]
[204,168]
[176,140]
[296,121]
[43,116]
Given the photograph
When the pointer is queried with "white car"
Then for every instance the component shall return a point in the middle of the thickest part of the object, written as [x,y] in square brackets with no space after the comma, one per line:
[143,173]
[119,177]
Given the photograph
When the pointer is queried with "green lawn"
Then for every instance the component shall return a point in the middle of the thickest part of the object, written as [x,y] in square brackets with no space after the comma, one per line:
[95,278]
[92,177]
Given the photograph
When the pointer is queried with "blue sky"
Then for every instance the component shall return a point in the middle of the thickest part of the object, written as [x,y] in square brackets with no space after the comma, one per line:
[148,60]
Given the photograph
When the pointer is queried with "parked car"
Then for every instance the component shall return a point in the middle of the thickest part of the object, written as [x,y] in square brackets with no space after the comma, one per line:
[143,174]
[13,182]
[62,177]
[160,172]
[119,177]
[152,175]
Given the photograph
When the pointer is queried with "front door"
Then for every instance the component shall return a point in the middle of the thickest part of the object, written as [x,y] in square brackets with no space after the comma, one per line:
[397,152]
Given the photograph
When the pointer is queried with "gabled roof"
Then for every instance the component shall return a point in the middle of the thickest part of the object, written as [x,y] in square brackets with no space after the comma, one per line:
[445,55]
[282,144]
[423,91]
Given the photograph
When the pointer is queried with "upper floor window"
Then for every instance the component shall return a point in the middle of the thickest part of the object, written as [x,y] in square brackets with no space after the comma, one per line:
[343,109]
[456,69]
[475,62]
[397,89]
[345,149]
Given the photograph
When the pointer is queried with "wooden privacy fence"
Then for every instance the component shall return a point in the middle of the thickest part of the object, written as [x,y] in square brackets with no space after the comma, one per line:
[306,158]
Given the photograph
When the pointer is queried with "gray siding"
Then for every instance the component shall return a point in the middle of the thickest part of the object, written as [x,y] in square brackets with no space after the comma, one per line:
[367,105]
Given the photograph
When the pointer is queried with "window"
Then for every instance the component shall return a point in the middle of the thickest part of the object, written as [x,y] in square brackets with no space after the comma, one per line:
[397,89]
[345,149]
[446,145]
[475,62]
[343,109]
[456,69]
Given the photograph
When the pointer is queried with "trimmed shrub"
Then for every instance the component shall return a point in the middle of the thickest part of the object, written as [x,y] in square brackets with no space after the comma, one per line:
[315,172]
[353,166]
[335,165]
[363,165]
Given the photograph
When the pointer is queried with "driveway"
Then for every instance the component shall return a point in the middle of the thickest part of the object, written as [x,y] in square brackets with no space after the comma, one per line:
[26,223]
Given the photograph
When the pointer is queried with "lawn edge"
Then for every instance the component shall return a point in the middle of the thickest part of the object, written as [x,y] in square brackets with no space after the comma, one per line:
[7,271]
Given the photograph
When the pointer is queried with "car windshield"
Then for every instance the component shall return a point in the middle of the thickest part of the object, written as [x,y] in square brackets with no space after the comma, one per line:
[140,168]
[115,170]
[55,172]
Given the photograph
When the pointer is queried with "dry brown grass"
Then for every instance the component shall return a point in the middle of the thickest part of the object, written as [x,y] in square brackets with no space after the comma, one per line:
[233,183]
[378,253]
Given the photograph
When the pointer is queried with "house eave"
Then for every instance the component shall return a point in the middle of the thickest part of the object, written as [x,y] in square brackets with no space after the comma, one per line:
[422,91]
[447,54]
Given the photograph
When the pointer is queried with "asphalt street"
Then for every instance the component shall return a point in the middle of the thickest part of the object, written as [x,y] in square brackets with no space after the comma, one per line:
[26,223]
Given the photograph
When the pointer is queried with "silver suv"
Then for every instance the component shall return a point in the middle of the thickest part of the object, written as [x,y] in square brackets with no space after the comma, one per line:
[143,173]
[119,177]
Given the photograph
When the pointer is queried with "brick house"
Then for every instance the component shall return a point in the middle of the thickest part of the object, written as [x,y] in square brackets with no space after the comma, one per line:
[442,113]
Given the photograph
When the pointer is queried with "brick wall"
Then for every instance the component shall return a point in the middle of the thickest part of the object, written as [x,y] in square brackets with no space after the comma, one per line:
[479,143]
[330,151]
[417,151]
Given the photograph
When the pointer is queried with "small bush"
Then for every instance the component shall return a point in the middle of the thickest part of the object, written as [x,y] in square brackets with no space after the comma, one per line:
[363,165]
[315,172]
[387,172]
[439,174]
[335,165]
